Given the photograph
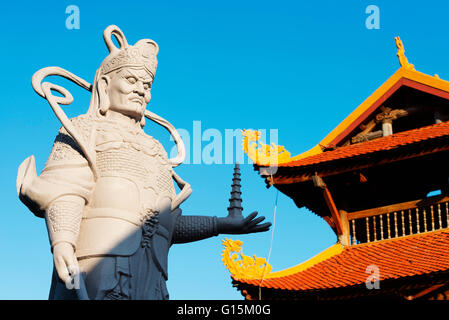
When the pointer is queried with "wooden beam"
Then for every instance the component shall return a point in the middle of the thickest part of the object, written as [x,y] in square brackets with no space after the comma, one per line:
[333,210]
[397,207]
[425,291]
[366,137]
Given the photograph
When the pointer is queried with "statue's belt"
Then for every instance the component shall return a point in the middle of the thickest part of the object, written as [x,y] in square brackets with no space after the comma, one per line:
[121,214]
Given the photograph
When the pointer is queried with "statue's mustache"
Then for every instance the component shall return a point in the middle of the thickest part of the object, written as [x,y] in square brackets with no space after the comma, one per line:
[139,98]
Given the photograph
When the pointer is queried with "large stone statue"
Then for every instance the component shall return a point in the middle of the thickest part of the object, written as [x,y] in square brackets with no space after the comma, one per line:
[107,191]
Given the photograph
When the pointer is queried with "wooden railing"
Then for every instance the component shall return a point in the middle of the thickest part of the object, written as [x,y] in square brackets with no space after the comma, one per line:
[399,220]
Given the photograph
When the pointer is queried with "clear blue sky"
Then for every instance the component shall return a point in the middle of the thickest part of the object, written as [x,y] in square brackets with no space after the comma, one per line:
[297,67]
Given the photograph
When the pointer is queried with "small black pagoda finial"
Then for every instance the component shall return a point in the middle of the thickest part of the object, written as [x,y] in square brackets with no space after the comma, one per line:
[235,202]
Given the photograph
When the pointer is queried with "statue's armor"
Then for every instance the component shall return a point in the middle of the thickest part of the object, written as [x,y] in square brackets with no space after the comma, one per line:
[134,185]
[129,205]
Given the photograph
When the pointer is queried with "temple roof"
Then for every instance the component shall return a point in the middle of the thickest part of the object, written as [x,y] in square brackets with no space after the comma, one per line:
[393,141]
[405,84]
[413,255]
[402,77]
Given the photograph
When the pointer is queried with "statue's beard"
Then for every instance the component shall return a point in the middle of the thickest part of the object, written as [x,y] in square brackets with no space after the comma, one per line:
[139,109]
[133,110]
[138,104]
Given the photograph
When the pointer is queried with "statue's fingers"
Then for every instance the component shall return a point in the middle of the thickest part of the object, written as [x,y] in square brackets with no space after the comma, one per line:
[61,268]
[250,216]
[75,262]
[256,221]
[73,267]
[261,227]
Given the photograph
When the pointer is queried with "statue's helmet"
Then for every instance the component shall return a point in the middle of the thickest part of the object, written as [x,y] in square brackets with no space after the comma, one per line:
[142,54]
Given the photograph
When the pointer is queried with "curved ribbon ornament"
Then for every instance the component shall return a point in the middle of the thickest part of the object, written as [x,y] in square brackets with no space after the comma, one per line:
[44,90]
[180,157]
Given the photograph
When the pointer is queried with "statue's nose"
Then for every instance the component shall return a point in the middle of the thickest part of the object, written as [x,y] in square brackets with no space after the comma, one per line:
[139,88]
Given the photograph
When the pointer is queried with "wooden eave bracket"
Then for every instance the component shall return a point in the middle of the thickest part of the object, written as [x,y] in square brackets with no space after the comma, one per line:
[319,183]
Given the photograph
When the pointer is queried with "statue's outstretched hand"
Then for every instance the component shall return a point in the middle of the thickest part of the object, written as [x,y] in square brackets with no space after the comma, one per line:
[240,225]
[65,261]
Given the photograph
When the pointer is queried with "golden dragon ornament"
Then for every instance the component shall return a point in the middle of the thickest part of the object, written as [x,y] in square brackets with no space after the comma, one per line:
[246,267]
[263,154]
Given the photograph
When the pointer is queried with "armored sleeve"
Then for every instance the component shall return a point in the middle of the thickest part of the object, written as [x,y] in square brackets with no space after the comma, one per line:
[63,218]
[194,228]
[64,187]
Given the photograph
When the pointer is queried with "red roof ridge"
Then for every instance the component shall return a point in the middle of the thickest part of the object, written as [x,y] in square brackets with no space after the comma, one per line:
[380,144]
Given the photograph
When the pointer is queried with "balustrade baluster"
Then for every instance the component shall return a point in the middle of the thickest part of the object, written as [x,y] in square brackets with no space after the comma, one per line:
[367,230]
[447,215]
[388,225]
[381,226]
[354,239]
[432,217]
[410,231]
[425,219]
[417,220]
[395,225]
[403,222]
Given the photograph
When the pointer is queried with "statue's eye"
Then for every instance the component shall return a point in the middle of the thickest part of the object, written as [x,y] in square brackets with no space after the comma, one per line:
[131,79]
[147,85]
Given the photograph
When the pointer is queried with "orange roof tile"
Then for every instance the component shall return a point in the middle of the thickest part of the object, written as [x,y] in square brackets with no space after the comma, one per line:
[395,258]
[381,144]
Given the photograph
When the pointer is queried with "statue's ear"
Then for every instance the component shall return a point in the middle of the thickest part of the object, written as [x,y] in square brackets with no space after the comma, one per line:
[102,88]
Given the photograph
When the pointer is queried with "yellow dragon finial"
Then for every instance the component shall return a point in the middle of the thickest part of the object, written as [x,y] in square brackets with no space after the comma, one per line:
[263,154]
[401,55]
[246,268]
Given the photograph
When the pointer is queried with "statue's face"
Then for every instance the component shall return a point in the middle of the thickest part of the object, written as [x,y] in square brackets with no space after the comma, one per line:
[129,91]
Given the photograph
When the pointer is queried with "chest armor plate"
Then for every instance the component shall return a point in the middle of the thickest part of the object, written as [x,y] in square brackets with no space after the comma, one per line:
[134,172]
